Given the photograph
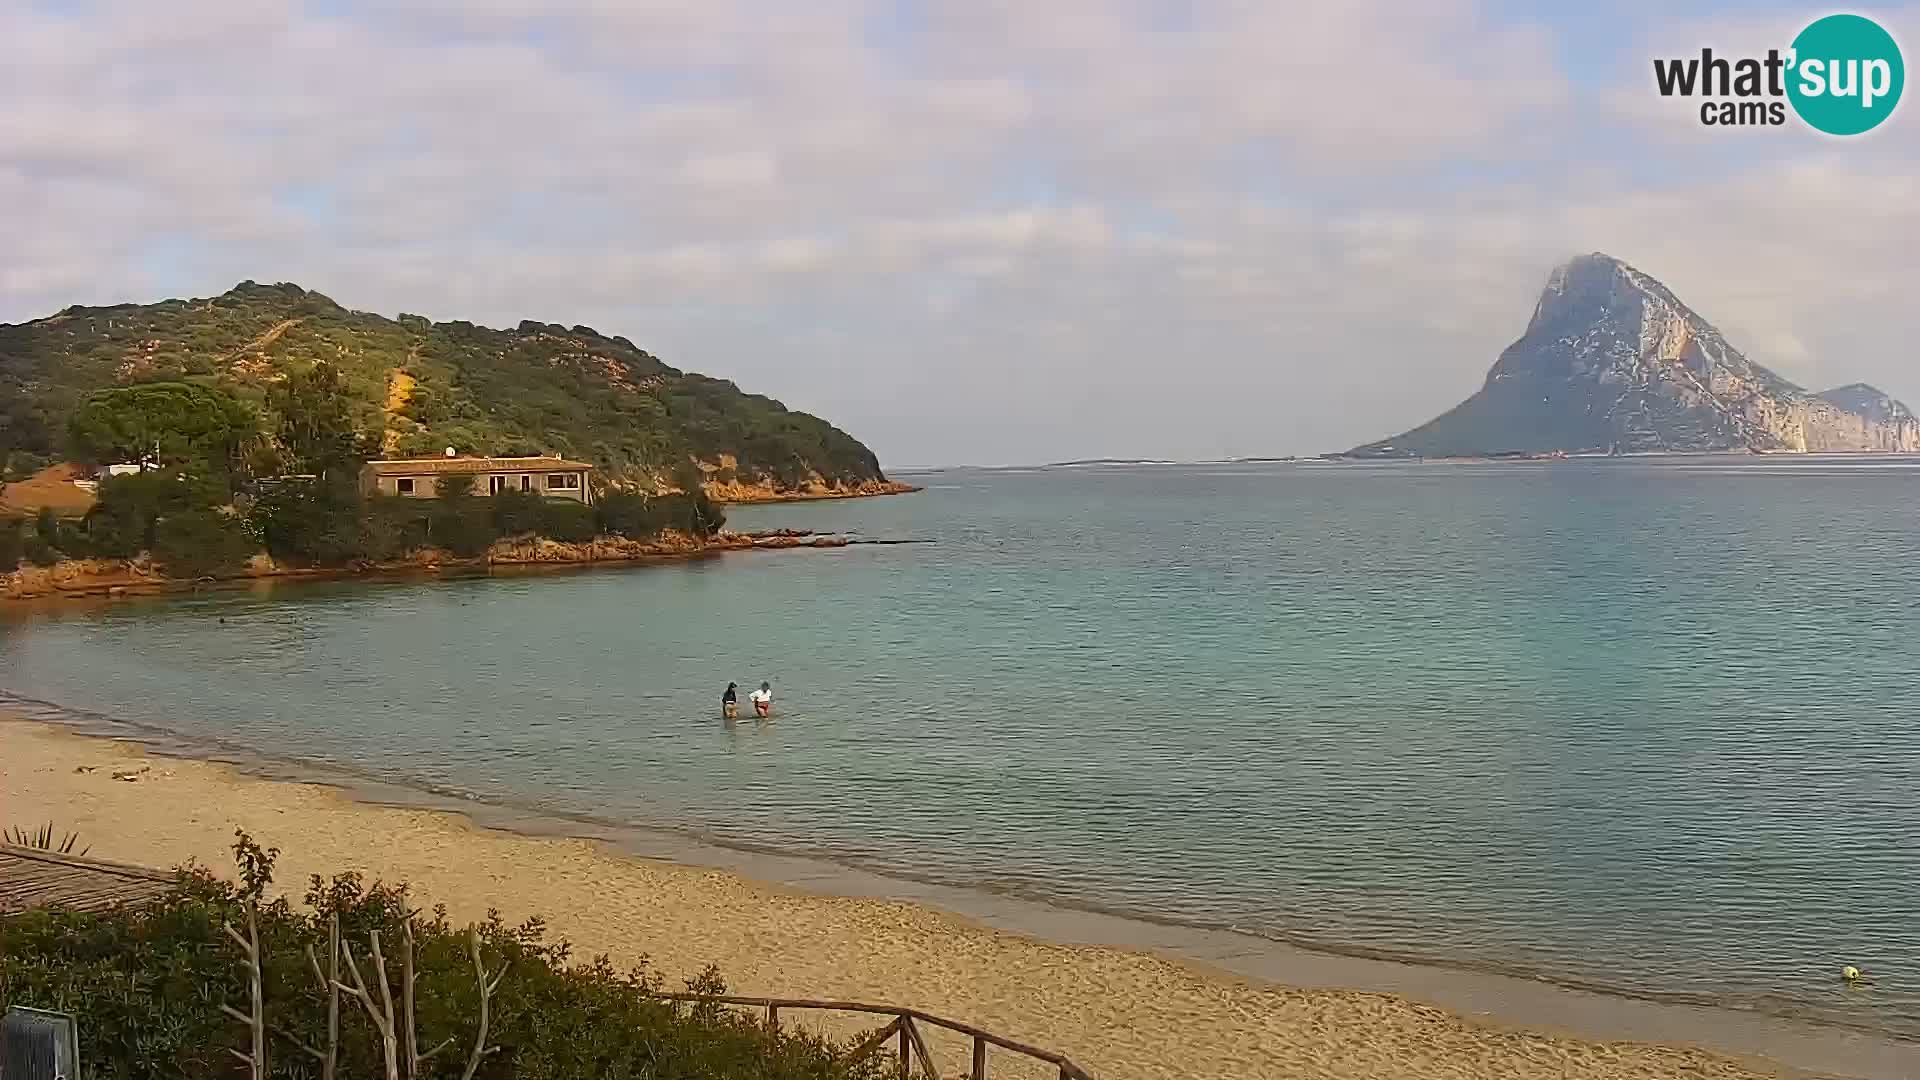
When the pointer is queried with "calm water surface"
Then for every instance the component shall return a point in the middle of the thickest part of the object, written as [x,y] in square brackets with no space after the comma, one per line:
[1648,726]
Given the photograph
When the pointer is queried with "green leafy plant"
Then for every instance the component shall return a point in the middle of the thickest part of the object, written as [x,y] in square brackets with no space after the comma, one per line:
[193,426]
[155,988]
[566,521]
[12,545]
[516,513]
[197,543]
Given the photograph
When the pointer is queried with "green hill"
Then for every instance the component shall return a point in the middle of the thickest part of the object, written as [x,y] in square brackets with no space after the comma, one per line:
[422,386]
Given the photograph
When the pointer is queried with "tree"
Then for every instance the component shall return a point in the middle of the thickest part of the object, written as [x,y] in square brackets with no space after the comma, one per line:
[41,543]
[195,543]
[122,521]
[566,521]
[314,411]
[316,522]
[12,546]
[188,426]
[460,522]
[517,512]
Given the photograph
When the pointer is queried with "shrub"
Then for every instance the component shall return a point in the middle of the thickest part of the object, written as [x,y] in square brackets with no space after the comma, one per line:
[312,522]
[567,521]
[516,513]
[393,526]
[462,526]
[39,550]
[628,514]
[641,517]
[195,543]
[12,546]
[454,487]
[147,984]
[122,523]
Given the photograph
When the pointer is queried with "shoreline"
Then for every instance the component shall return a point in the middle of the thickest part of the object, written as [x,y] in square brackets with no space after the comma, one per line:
[1484,1007]
[115,578]
[741,495]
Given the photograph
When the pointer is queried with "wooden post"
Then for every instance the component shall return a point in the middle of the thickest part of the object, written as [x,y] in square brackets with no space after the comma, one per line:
[773,1017]
[906,1048]
[979,1059]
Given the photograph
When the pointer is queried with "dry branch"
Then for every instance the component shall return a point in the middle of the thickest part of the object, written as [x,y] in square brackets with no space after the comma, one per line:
[382,1019]
[406,997]
[485,986]
[329,984]
[257,1021]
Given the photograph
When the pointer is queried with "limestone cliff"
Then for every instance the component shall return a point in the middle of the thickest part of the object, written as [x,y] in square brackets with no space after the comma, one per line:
[1613,362]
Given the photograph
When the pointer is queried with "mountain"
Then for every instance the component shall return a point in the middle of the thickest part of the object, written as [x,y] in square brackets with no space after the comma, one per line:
[1613,362]
[422,386]
[1863,400]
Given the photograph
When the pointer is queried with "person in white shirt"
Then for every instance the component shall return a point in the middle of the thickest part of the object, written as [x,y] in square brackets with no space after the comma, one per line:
[762,700]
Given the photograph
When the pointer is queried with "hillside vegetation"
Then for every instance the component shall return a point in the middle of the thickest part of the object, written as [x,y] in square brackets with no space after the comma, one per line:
[418,386]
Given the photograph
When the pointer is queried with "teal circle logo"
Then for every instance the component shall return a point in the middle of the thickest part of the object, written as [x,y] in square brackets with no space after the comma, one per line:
[1846,74]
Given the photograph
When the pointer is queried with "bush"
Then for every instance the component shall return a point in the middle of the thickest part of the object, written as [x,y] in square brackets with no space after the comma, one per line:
[146,984]
[516,513]
[454,487]
[41,553]
[195,543]
[642,517]
[122,523]
[462,526]
[42,542]
[392,527]
[312,523]
[628,514]
[567,521]
[12,545]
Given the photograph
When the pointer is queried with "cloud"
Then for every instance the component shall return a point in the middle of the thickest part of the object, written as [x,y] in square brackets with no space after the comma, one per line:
[979,231]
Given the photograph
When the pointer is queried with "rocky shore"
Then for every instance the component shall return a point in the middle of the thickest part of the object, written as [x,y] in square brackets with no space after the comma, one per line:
[143,576]
[733,491]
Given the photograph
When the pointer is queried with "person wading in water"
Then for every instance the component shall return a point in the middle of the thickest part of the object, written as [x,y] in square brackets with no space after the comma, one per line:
[763,701]
[730,701]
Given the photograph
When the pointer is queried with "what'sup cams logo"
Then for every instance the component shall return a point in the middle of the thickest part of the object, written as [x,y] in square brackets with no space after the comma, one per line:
[1842,75]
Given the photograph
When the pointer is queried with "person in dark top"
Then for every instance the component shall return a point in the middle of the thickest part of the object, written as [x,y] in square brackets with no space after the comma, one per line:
[730,701]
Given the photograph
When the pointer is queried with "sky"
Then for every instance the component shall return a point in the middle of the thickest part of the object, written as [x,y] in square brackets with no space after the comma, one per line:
[969,232]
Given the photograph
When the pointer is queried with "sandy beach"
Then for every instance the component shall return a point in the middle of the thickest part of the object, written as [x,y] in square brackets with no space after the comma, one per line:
[1123,1015]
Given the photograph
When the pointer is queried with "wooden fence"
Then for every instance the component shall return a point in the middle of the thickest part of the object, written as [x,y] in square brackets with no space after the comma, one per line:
[905,1030]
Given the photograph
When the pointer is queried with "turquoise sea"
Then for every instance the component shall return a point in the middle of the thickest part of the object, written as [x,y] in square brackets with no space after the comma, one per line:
[1651,726]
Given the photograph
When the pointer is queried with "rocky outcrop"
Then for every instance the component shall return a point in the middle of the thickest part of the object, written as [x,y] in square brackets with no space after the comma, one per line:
[1613,362]
[734,491]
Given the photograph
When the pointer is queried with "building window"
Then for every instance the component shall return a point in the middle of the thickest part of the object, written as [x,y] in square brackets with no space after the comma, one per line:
[404,485]
[496,484]
[526,482]
[563,481]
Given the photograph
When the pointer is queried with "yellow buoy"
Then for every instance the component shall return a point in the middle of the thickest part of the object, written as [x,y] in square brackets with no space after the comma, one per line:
[1853,974]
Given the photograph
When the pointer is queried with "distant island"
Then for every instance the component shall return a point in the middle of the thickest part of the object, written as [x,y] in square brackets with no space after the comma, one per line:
[1089,462]
[419,386]
[1613,363]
